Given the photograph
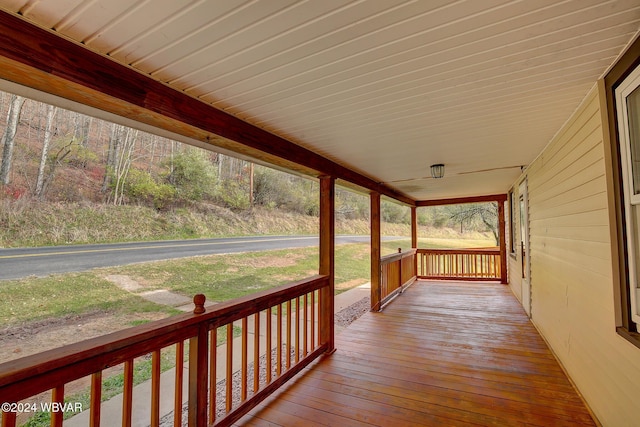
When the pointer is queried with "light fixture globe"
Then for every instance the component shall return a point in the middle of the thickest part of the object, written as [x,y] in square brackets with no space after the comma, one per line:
[437,171]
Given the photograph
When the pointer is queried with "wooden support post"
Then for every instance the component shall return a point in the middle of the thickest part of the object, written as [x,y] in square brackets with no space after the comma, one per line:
[327,259]
[414,227]
[198,377]
[376,296]
[503,242]
[414,238]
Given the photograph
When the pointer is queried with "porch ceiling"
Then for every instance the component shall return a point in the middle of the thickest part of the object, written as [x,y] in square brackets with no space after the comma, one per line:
[384,88]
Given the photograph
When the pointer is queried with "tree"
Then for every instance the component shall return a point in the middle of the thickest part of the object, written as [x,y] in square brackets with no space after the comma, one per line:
[48,133]
[112,155]
[8,138]
[123,163]
[486,213]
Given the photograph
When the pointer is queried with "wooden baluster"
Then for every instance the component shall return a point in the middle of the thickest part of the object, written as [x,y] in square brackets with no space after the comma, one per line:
[256,352]
[57,396]
[306,324]
[279,342]
[213,373]
[95,399]
[474,266]
[245,362]
[269,345]
[468,264]
[288,347]
[314,322]
[483,265]
[229,381]
[449,262]
[155,388]
[127,394]
[297,329]
[454,265]
[9,419]
[177,402]
[435,264]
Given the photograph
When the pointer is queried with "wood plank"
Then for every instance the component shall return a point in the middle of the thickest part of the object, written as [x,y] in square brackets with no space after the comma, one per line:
[127,399]
[95,399]
[155,388]
[444,353]
[460,200]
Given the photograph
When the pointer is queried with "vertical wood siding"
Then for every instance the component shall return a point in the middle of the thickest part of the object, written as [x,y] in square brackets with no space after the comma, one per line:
[571,268]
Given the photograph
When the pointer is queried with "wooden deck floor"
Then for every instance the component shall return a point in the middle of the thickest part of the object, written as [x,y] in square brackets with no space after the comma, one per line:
[442,354]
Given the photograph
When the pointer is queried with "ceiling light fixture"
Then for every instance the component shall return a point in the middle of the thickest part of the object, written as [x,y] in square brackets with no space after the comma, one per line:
[437,171]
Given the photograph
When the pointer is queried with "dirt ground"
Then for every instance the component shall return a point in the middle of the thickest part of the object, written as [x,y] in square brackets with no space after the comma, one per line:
[33,337]
[23,340]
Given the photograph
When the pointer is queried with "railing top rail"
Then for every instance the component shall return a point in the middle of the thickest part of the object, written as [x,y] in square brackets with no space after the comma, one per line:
[61,365]
[471,251]
[394,257]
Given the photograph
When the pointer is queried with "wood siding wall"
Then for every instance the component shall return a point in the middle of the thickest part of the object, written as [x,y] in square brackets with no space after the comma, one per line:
[571,267]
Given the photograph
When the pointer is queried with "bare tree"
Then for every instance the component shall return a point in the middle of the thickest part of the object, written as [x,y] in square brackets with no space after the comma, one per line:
[8,138]
[82,127]
[123,164]
[487,213]
[48,134]
[112,155]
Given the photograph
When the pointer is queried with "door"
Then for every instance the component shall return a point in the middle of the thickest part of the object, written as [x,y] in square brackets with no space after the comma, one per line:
[524,247]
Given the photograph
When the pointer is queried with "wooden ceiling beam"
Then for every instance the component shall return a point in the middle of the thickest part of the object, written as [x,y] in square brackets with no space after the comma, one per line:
[500,198]
[40,59]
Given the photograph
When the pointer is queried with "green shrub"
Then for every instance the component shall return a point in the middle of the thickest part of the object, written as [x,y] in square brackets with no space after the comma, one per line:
[192,175]
[140,187]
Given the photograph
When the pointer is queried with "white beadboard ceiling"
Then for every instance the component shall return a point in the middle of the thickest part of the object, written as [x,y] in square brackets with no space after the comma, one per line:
[384,87]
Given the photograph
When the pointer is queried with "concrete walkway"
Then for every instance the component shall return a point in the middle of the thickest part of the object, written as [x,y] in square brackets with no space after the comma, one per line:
[111,410]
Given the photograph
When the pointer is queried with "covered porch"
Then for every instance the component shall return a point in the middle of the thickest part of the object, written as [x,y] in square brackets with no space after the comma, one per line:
[367,102]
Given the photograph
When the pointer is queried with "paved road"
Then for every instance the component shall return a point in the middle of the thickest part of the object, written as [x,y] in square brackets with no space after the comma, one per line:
[22,262]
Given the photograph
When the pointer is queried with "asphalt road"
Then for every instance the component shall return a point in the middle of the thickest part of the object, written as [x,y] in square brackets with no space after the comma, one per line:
[22,262]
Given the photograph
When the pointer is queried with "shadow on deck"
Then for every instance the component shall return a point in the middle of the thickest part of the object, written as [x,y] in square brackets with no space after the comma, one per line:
[443,353]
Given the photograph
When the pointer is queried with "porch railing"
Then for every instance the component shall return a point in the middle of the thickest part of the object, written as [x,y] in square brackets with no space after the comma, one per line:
[294,334]
[459,264]
[397,272]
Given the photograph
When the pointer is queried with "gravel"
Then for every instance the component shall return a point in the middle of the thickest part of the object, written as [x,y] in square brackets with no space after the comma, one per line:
[343,318]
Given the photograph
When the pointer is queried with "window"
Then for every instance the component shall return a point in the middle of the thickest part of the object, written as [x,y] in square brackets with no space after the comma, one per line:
[512,224]
[627,98]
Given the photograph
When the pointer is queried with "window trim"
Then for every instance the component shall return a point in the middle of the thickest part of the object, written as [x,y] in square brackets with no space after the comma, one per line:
[626,63]
[512,217]
[630,198]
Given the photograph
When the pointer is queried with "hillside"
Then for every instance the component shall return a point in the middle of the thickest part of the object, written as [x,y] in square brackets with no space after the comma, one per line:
[31,223]
[71,179]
